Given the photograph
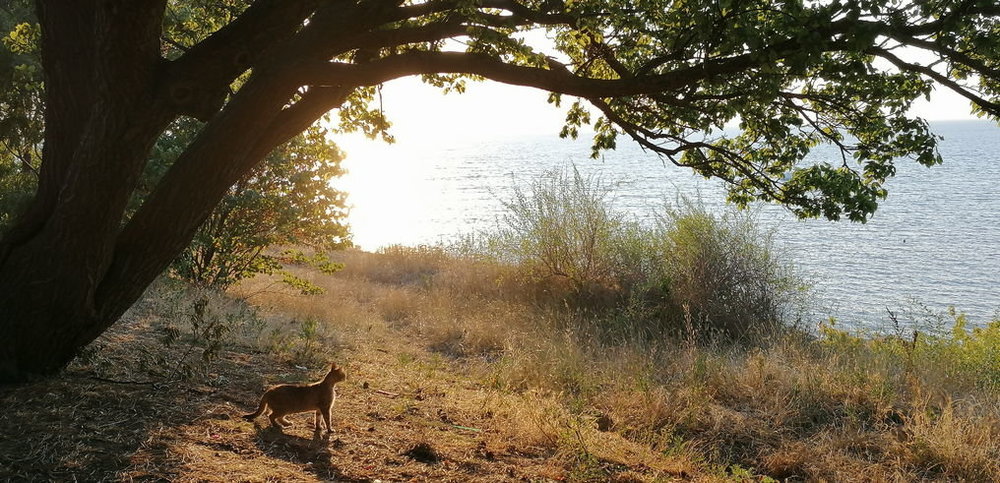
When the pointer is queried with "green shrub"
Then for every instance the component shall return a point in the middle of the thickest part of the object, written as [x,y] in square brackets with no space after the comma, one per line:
[563,225]
[724,274]
[958,359]
[709,277]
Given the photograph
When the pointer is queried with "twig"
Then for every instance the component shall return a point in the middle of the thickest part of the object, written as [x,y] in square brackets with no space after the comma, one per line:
[176,44]
[116,381]
[895,322]
[387,393]
[583,444]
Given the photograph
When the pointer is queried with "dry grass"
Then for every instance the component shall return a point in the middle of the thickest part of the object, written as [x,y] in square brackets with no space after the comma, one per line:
[797,408]
[459,370]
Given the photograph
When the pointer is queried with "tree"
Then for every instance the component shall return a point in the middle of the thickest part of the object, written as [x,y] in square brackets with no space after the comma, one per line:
[21,106]
[795,74]
[286,200]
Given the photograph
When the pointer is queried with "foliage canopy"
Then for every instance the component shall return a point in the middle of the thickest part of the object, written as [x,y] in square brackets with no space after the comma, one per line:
[20,107]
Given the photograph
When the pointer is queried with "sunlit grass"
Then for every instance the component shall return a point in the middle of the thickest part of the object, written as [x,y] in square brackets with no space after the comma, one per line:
[830,405]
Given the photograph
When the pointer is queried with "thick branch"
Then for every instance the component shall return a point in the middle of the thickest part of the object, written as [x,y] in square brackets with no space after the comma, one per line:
[216,160]
[99,60]
[68,38]
[402,36]
[518,11]
[554,80]
[293,120]
[199,79]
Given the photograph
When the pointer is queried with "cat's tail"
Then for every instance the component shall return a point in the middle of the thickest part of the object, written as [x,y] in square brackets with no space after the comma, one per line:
[260,409]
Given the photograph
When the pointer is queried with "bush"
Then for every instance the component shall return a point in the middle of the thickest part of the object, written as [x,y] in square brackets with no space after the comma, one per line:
[564,226]
[955,358]
[724,274]
[286,201]
[694,273]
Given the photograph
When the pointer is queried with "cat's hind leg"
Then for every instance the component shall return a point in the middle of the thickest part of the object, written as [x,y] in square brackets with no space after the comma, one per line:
[279,421]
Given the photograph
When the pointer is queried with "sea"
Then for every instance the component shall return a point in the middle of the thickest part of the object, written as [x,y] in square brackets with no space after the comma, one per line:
[932,247]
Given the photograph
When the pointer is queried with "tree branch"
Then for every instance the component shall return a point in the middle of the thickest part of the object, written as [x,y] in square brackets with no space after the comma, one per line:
[296,118]
[80,44]
[408,35]
[991,107]
[198,82]
[555,80]
[516,9]
[643,136]
[953,55]
[191,188]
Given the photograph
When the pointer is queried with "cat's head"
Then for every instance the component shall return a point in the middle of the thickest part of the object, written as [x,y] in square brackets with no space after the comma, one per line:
[336,373]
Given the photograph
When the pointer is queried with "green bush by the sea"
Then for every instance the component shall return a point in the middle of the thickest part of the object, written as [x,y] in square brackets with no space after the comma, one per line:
[691,272]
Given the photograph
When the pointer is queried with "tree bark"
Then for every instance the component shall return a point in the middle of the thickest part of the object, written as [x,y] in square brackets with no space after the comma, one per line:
[101,60]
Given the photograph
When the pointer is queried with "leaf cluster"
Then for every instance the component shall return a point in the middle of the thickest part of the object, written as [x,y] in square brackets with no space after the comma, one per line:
[792,76]
[21,124]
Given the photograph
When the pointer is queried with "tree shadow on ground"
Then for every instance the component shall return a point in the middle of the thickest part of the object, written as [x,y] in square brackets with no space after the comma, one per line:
[124,418]
[74,427]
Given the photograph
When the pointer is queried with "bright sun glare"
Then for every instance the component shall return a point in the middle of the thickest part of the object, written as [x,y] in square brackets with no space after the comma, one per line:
[387,191]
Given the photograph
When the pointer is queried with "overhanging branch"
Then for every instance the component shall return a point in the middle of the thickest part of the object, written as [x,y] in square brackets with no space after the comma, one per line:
[296,118]
[988,106]
[555,80]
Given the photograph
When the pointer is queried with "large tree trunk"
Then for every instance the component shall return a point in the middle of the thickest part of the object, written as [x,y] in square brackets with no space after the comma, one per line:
[73,265]
[101,121]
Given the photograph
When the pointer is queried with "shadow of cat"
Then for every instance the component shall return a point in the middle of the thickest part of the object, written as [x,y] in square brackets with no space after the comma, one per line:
[313,453]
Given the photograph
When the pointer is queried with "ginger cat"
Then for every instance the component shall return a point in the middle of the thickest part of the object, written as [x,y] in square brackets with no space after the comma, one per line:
[296,398]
